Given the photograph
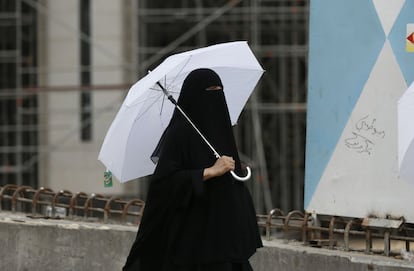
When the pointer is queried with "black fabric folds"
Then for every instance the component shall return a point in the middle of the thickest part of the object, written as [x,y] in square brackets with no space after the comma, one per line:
[190,223]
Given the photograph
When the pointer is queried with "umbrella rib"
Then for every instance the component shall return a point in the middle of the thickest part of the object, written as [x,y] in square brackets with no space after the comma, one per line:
[180,71]
[162,104]
[143,112]
[140,100]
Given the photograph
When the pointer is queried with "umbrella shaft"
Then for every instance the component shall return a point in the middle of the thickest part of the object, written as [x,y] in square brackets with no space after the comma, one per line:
[242,179]
[216,154]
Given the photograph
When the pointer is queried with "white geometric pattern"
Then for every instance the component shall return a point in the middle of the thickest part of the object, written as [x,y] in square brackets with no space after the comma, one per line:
[388,13]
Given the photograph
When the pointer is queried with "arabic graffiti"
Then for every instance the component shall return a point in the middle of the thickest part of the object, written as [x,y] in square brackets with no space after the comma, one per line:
[365,135]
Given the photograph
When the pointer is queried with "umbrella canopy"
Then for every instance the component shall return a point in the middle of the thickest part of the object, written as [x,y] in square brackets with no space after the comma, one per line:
[406,135]
[146,111]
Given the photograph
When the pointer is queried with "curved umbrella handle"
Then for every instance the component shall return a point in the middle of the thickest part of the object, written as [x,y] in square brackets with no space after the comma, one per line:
[242,179]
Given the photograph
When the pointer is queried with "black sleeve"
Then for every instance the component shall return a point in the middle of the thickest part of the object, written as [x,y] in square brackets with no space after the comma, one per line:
[172,168]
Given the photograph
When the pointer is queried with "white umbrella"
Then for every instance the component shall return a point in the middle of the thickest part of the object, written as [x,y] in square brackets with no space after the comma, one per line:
[146,112]
[406,135]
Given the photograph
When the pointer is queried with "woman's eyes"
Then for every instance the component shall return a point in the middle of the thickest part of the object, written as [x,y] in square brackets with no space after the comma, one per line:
[214,88]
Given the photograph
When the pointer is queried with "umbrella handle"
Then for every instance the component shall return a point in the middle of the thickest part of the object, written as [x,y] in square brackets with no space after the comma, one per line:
[242,179]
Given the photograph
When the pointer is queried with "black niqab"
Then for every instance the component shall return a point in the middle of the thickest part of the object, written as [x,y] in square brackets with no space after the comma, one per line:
[188,221]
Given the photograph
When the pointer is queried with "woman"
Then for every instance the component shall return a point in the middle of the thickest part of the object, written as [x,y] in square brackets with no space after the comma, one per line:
[197,217]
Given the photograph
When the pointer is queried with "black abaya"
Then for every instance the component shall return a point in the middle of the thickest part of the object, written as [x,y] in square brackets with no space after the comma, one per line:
[188,223]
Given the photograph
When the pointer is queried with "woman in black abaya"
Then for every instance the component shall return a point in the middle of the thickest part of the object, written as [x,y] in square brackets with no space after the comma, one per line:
[197,217]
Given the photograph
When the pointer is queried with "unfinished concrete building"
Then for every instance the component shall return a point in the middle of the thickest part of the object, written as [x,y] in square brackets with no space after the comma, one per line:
[65,67]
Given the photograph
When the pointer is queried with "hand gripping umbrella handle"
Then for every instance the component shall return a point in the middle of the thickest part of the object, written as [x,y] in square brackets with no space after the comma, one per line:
[242,179]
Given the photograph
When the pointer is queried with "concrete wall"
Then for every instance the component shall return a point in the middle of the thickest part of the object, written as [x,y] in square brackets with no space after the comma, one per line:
[40,244]
[30,245]
[282,255]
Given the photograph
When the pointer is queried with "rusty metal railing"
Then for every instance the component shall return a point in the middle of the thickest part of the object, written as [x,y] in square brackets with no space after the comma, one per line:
[46,203]
[333,232]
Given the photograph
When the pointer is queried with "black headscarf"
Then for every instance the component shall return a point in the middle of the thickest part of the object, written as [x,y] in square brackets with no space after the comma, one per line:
[188,220]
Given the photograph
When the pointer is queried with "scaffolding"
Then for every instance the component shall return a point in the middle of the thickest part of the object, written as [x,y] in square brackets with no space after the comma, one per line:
[18,117]
[271,130]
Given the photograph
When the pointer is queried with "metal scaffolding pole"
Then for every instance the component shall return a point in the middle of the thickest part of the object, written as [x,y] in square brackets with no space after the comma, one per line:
[256,121]
[18,110]
[196,29]
[18,90]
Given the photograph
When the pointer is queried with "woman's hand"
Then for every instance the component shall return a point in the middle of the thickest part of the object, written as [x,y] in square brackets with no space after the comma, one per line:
[222,165]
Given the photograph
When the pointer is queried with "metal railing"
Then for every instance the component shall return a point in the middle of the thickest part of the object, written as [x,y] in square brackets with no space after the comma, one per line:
[335,232]
[332,232]
[46,203]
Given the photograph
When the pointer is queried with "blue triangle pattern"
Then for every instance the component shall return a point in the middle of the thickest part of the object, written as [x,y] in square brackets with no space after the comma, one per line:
[345,40]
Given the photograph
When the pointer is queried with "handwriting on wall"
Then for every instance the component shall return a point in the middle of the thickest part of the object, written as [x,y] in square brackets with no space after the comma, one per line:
[364,135]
